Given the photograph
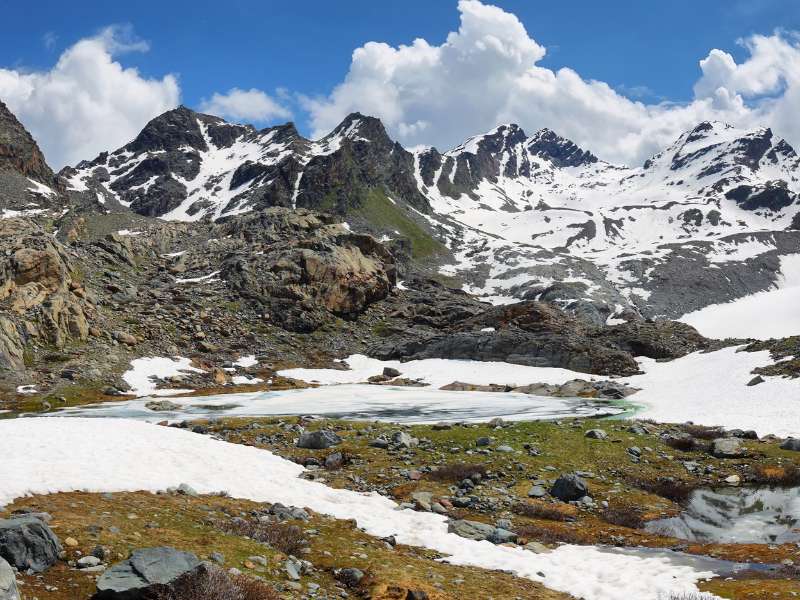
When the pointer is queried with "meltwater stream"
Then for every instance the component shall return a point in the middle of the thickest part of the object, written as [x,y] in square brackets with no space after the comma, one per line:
[363,402]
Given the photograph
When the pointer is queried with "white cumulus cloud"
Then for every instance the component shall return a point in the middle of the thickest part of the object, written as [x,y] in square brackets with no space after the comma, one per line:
[245,105]
[88,102]
[486,73]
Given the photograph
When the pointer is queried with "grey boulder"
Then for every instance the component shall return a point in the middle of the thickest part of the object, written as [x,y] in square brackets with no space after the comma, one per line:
[474,530]
[791,444]
[28,543]
[727,448]
[148,570]
[569,488]
[318,440]
[8,582]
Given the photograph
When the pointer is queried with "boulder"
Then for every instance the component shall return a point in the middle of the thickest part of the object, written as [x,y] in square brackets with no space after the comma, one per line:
[595,434]
[28,543]
[791,444]
[404,440]
[147,571]
[162,405]
[318,440]
[471,530]
[537,491]
[474,530]
[8,582]
[727,448]
[569,488]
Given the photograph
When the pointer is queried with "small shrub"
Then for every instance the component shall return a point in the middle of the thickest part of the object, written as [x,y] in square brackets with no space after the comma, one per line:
[624,516]
[782,476]
[542,510]
[682,443]
[212,583]
[703,432]
[671,489]
[457,472]
[546,535]
[285,537]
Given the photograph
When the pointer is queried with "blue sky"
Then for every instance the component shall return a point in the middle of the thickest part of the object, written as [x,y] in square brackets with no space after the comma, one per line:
[306,46]
[645,50]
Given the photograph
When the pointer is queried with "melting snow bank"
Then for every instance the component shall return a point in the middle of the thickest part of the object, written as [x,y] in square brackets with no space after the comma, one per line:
[364,402]
[143,371]
[151,458]
[765,315]
[711,389]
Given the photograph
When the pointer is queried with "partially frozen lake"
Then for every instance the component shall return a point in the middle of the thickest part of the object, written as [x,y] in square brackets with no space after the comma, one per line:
[362,402]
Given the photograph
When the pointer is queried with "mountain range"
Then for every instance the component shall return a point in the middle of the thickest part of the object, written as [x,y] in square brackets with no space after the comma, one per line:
[507,215]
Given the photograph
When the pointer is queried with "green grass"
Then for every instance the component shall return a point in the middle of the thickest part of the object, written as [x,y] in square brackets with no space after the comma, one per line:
[379,211]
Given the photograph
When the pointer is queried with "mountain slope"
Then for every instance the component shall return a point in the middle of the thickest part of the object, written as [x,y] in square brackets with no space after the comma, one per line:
[27,183]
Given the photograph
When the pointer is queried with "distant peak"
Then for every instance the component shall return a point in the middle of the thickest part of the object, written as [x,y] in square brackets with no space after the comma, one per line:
[559,150]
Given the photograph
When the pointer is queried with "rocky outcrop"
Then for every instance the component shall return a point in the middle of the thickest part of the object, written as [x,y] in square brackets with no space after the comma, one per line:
[38,294]
[540,335]
[304,268]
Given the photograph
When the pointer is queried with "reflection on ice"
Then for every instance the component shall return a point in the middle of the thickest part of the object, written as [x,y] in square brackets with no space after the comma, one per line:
[731,515]
[365,402]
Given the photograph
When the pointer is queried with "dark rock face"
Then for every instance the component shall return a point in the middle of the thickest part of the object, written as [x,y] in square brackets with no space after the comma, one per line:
[569,488]
[147,571]
[659,340]
[560,151]
[21,163]
[19,152]
[537,334]
[517,347]
[28,543]
[774,196]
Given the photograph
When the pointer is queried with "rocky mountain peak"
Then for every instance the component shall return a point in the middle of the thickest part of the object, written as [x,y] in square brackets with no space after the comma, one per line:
[358,127]
[170,131]
[19,152]
[502,138]
[559,150]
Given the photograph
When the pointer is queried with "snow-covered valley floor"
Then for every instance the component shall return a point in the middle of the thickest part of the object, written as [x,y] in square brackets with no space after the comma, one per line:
[114,455]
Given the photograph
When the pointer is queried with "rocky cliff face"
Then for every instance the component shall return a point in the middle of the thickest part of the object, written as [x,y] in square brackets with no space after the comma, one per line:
[26,181]
[41,302]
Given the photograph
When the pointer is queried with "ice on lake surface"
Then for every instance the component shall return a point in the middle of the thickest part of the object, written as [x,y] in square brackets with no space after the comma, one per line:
[737,515]
[364,402]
